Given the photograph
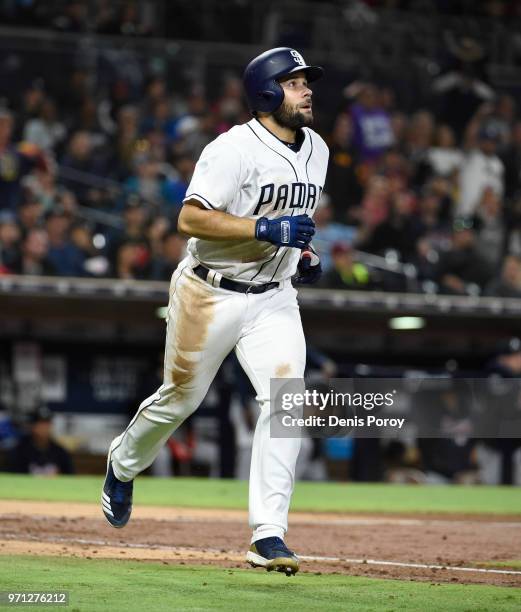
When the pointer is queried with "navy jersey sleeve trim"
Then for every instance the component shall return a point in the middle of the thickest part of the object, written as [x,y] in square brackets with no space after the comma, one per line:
[200,198]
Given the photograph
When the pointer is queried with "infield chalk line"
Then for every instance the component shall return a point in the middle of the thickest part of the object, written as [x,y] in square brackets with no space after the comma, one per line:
[221,554]
[454,568]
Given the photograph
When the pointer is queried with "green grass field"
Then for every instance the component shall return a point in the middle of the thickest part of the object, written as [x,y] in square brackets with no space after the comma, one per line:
[131,585]
[308,496]
[126,585]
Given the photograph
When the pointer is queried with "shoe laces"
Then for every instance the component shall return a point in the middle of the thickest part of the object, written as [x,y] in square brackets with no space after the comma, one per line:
[278,544]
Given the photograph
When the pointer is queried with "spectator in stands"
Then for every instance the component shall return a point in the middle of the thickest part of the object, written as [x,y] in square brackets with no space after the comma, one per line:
[194,133]
[503,116]
[396,167]
[373,133]
[29,105]
[230,106]
[132,20]
[72,17]
[146,182]
[173,251]
[132,260]
[135,218]
[15,162]
[491,236]
[157,229]
[461,91]
[433,228]
[87,120]
[33,257]
[10,236]
[375,204]
[400,128]
[80,166]
[37,452]
[511,158]
[127,137]
[420,135]
[45,130]
[450,458]
[63,254]
[178,184]
[157,183]
[328,232]
[401,464]
[463,269]
[104,17]
[94,261]
[444,158]
[155,143]
[513,221]
[161,119]
[47,190]
[508,285]
[400,231]
[342,179]
[156,90]
[30,213]
[480,169]
[346,272]
[433,210]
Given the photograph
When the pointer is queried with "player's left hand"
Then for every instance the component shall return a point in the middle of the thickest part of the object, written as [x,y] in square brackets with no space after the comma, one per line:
[309,269]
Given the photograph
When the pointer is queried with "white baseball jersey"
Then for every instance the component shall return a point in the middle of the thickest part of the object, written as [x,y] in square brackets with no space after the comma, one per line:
[249,172]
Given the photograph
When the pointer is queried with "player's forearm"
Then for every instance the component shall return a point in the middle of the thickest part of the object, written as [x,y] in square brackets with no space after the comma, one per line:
[214,224]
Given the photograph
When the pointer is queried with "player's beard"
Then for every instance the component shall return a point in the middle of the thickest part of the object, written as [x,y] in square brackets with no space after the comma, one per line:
[290,118]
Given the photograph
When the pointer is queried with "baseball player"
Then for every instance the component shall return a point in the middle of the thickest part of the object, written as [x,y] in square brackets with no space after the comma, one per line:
[248,210]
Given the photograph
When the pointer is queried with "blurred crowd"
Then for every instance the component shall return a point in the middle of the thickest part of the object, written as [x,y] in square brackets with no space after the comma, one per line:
[185,19]
[434,194]
[181,19]
[426,200]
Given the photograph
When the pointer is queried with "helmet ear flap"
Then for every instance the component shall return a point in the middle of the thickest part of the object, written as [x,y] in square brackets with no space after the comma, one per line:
[267,95]
[270,97]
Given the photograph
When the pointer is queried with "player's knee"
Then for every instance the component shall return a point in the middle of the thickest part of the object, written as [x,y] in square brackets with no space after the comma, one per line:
[179,401]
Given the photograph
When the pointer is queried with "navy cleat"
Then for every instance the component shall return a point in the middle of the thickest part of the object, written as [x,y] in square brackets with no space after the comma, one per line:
[116,499]
[273,554]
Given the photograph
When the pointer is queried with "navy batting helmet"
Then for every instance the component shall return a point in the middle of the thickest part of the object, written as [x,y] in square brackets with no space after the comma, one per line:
[263,91]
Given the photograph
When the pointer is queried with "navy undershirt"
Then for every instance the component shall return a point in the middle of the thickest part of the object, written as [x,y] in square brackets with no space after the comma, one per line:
[294,146]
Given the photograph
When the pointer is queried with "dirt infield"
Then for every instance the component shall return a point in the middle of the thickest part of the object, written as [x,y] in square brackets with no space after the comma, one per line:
[433,548]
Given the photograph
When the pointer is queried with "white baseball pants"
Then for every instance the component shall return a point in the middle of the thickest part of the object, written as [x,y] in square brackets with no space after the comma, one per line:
[204,324]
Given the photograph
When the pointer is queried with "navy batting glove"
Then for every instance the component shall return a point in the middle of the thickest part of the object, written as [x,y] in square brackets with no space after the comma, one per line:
[286,231]
[309,269]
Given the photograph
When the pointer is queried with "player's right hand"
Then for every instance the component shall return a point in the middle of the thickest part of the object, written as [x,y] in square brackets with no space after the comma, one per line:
[286,231]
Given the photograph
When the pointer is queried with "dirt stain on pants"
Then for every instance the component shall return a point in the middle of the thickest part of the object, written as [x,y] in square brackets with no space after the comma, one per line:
[283,370]
[194,311]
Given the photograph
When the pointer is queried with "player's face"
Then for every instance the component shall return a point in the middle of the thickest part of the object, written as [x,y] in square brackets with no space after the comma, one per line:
[296,109]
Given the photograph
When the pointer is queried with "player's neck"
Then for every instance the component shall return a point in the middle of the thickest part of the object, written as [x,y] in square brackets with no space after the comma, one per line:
[282,133]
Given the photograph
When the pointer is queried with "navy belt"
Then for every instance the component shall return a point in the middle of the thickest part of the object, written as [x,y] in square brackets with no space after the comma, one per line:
[226,283]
